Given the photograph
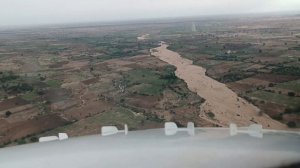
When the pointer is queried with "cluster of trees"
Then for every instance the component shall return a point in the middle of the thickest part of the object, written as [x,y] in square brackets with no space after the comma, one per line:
[291,94]
[17,88]
[115,45]
[225,57]
[292,110]
[232,77]
[7,76]
[11,83]
[169,74]
[211,115]
[282,70]
[7,114]
[295,48]
[292,124]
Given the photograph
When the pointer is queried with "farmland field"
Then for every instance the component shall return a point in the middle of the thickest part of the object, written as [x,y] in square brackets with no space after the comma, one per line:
[77,78]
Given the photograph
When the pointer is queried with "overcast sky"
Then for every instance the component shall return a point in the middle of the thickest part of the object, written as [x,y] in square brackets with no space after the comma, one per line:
[34,12]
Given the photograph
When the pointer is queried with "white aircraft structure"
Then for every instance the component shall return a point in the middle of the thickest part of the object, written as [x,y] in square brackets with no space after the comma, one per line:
[171,147]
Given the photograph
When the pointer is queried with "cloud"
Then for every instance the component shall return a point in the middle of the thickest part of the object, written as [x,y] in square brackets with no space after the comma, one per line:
[24,12]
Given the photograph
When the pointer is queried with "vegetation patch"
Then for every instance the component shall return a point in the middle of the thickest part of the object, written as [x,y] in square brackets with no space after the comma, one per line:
[283,70]
[30,96]
[53,83]
[291,85]
[210,115]
[153,82]
[11,84]
[290,102]
[233,77]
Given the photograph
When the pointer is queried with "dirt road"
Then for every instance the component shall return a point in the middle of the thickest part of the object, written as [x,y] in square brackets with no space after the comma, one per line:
[220,100]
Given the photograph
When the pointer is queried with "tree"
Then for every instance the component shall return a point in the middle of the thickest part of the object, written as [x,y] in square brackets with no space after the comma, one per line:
[21,142]
[34,139]
[291,94]
[291,124]
[7,114]
[42,78]
[211,114]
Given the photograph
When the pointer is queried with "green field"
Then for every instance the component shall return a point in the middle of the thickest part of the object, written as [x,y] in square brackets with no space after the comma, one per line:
[117,116]
[290,102]
[53,83]
[30,96]
[153,82]
[291,85]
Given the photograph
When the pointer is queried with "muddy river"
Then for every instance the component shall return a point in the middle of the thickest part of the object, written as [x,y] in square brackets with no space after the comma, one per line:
[220,100]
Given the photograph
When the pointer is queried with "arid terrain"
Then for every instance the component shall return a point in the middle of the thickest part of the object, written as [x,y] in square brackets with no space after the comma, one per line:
[212,72]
